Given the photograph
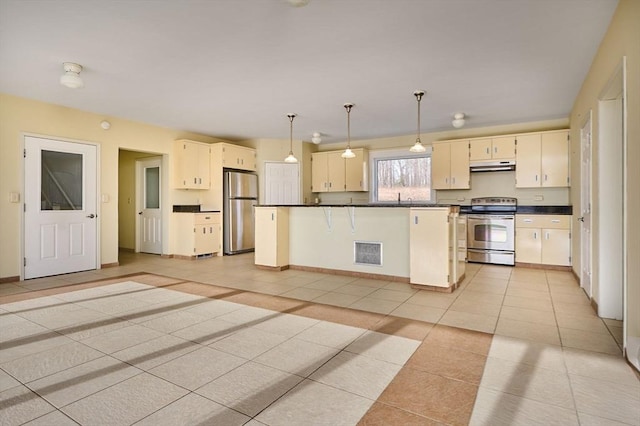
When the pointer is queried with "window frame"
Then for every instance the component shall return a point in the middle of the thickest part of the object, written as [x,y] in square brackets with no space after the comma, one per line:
[395,154]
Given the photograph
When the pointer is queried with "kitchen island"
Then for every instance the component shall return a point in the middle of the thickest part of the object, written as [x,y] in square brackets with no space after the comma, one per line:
[407,243]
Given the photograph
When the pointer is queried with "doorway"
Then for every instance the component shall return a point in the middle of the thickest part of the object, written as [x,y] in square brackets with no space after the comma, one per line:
[149,205]
[282,183]
[61,207]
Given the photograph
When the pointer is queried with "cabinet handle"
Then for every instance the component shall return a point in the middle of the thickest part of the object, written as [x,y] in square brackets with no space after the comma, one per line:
[545,178]
[204,229]
[555,220]
[535,235]
[272,218]
[487,150]
[211,229]
[200,180]
[195,180]
[495,149]
[453,180]
[527,220]
[415,220]
[536,178]
[547,236]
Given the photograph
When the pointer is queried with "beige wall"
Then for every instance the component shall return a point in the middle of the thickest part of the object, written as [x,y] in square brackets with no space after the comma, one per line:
[621,39]
[19,116]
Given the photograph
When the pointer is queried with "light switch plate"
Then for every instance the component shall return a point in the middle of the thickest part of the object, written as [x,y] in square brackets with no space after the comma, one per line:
[14,197]
[105,198]
[538,197]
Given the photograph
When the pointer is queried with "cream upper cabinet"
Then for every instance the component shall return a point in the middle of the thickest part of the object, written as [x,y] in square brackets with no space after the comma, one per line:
[191,165]
[543,239]
[357,171]
[542,160]
[450,165]
[238,157]
[332,173]
[498,148]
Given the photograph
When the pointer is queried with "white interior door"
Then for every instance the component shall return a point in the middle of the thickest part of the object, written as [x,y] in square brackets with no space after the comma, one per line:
[149,178]
[282,183]
[60,217]
[585,208]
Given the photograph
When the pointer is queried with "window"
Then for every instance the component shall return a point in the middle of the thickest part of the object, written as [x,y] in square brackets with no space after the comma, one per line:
[401,175]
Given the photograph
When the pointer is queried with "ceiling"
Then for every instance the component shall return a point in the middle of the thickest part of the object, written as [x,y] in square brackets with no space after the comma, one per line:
[234,68]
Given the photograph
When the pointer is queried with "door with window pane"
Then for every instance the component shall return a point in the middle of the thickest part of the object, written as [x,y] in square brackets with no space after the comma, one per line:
[60,213]
[149,202]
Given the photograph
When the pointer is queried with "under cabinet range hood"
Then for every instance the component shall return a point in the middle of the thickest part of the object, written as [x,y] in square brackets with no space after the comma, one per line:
[492,166]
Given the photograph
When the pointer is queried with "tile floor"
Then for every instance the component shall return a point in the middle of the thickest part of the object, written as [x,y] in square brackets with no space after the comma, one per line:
[511,346]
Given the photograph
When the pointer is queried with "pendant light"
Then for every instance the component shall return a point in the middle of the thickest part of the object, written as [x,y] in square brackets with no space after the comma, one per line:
[418,147]
[291,158]
[347,152]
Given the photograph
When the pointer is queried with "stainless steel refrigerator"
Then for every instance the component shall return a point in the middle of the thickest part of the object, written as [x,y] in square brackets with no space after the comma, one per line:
[240,195]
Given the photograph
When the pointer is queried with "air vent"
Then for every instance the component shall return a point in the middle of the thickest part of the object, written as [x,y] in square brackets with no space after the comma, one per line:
[367,253]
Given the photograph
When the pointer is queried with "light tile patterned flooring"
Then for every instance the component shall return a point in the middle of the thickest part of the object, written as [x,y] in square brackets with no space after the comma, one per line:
[511,346]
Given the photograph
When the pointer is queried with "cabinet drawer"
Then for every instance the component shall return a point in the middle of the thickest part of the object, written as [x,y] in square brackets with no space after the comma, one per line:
[206,218]
[543,221]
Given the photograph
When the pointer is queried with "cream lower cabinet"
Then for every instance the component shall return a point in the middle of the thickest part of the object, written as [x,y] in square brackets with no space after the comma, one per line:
[543,239]
[433,247]
[450,165]
[197,234]
[272,237]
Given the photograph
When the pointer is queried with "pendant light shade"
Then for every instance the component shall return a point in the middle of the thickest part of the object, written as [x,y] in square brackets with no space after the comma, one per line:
[347,152]
[418,147]
[71,77]
[291,158]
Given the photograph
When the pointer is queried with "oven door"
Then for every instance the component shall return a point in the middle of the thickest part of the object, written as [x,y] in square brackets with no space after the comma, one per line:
[491,232]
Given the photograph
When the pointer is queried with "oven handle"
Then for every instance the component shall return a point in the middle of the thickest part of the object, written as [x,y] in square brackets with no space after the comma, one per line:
[490,217]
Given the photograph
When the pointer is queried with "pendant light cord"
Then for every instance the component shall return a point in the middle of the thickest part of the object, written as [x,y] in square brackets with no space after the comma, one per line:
[348,108]
[291,117]
[419,98]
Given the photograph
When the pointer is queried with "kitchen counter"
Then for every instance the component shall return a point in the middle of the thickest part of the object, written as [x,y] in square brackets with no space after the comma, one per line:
[559,210]
[376,205]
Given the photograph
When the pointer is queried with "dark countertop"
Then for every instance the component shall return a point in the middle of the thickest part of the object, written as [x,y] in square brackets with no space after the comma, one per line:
[560,210]
[405,205]
[191,208]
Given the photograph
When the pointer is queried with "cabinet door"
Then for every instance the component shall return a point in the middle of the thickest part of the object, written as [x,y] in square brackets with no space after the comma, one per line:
[441,166]
[480,149]
[460,165]
[203,166]
[503,148]
[336,171]
[356,171]
[266,236]
[528,161]
[556,247]
[185,164]
[429,247]
[319,176]
[528,245]
[555,159]
[246,159]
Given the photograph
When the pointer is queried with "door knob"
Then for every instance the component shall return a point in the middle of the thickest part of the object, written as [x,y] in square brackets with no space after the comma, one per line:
[139,212]
[581,218]
[91,216]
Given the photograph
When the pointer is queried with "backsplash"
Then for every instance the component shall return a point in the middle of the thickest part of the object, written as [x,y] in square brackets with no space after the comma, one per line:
[503,184]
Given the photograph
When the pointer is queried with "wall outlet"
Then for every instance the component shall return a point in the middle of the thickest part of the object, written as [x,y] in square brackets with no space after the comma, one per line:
[538,197]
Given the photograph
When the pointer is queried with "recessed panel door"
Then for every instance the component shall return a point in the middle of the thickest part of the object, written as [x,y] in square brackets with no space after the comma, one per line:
[60,215]
[149,201]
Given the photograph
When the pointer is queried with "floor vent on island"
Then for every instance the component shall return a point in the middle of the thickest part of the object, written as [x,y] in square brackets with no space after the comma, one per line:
[367,253]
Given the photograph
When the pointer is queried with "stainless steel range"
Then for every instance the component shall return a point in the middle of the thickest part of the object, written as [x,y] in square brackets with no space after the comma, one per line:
[491,230]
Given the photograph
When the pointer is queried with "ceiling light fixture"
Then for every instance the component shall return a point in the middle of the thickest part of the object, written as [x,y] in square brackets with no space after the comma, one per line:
[298,3]
[458,120]
[418,147]
[347,152]
[291,158]
[71,77]
[316,138]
